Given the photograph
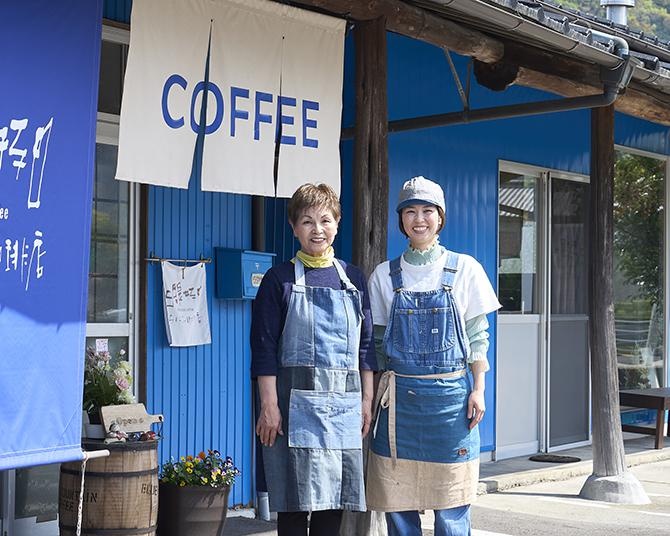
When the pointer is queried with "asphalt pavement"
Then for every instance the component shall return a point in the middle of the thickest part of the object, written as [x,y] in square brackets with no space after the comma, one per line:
[520,497]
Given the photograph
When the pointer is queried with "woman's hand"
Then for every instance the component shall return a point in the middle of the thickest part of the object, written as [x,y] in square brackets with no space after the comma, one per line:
[269,420]
[476,407]
[269,424]
[367,384]
[366,414]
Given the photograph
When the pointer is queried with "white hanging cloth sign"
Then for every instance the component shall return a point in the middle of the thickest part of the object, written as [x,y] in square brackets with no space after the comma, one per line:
[185,304]
[275,79]
[166,59]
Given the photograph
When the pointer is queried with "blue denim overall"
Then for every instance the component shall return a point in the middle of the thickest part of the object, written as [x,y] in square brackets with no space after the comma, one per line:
[423,454]
[318,463]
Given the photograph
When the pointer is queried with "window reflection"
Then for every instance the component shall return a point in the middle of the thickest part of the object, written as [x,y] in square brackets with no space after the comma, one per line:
[108,278]
[639,214]
[517,279]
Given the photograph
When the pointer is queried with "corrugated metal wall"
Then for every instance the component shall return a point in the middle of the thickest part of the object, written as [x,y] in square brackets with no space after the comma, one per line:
[638,134]
[204,392]
[464,159]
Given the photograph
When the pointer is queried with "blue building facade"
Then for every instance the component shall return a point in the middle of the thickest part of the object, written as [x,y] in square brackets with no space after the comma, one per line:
[205,392]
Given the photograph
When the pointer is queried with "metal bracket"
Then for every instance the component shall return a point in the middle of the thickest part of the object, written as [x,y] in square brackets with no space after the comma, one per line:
[465,97]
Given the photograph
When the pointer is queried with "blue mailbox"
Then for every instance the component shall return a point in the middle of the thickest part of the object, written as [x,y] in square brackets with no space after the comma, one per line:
[239,272]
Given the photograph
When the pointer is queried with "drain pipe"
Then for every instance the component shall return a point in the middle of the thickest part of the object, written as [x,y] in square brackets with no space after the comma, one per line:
[620,44]
[614,81]
[506,112]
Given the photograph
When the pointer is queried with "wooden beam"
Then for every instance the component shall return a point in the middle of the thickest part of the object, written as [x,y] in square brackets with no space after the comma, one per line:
[416,23]
[646,104]
[371,181]
[565,76]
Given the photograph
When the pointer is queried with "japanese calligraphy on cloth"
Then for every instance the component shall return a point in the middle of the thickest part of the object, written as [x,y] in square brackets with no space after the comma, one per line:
[275,83]
[185,304]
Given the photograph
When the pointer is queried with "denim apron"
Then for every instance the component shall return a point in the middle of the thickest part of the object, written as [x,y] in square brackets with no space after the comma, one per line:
[423,454]
[318,463]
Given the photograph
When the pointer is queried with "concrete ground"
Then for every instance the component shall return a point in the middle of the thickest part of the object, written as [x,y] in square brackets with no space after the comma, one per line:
[506,486]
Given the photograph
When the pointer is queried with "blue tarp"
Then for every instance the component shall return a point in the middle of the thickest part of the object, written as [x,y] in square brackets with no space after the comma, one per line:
[48,98]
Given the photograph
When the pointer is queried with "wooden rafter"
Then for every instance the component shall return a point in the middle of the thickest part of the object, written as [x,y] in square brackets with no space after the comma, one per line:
[416,23]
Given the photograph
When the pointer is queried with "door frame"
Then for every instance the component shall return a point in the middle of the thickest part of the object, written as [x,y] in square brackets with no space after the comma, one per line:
[543,175]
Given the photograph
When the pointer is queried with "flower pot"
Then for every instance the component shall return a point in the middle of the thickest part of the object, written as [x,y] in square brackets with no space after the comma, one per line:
[92,426]
[191,510]
[94,431]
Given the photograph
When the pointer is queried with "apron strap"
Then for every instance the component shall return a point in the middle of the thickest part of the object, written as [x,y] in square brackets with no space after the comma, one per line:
[396,274]
[343,275]
[299,271]
[450,269]
[386,399]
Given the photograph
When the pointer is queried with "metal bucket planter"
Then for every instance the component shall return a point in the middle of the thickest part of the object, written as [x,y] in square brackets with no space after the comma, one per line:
[192,510]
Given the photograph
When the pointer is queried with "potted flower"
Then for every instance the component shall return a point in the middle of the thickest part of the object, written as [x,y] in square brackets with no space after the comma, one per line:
[107,382]
[193,494]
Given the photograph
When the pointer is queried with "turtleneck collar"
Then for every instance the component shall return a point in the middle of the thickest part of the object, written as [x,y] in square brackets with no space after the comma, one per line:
[420,257]
[322,261]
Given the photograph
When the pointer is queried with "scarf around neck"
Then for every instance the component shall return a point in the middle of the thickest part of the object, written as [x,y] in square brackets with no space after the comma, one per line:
[322,261]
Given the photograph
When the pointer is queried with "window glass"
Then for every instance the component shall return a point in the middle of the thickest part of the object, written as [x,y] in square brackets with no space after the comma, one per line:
[37,492]
[639,216]
[112,69]
[114,344]
[569,247]
[517,279]
[108,278]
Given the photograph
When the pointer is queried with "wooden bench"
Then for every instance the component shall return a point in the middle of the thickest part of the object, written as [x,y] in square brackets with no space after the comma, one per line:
[658,399]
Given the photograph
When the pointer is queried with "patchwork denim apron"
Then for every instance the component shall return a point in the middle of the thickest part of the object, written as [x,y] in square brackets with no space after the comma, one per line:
[423,454]
[318,463]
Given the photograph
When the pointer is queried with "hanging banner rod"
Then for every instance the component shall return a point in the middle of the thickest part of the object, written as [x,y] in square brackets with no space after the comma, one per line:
[152,258]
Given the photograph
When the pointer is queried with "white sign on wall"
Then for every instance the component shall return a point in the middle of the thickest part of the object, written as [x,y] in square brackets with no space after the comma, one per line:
[185,304]
[275,84]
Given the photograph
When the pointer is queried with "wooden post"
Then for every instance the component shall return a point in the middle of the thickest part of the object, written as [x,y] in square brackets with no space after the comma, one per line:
[610,480]
[371,187]
[608,452]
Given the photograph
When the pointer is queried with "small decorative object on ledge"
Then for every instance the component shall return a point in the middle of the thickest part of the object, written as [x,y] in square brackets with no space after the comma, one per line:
[193,494]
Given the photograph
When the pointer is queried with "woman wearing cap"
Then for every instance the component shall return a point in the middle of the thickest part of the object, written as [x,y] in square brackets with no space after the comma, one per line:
[312,352]
[429,308]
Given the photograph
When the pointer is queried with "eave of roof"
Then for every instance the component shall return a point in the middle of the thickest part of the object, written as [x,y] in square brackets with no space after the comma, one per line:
[550,27]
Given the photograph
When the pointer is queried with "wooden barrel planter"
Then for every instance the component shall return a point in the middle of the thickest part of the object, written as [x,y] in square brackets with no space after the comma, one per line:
[120,491]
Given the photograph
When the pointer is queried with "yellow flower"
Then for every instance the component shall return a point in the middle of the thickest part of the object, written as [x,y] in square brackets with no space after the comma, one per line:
[204,480]
[182,483]
[189,470]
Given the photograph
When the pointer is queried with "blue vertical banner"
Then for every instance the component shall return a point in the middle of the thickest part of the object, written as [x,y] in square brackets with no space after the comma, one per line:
[50,69]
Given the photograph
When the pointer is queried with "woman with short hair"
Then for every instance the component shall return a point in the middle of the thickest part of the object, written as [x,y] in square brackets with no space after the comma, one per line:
[429,307]
[313,356]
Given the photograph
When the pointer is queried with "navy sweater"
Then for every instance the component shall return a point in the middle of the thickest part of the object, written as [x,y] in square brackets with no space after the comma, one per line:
[271,305]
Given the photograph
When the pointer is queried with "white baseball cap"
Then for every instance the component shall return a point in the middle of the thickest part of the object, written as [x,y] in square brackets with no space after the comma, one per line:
[420,190]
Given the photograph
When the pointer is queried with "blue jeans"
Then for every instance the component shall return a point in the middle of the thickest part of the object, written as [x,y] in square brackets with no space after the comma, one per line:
[450,522]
